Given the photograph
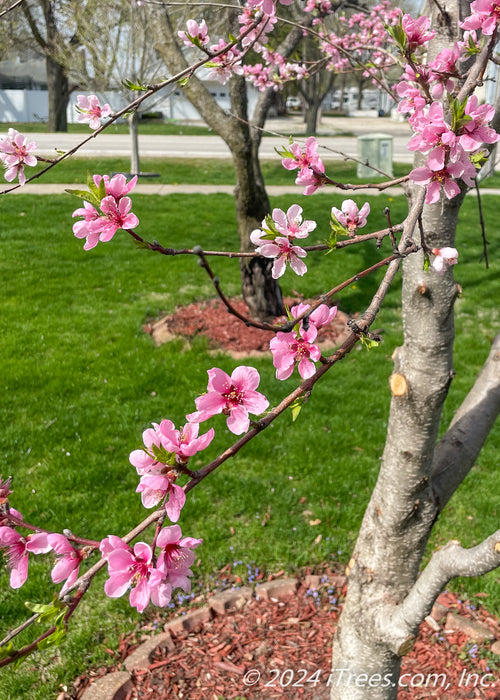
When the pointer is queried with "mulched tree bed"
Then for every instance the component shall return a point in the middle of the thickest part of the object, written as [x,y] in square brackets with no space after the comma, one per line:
[227,333]
[288,644]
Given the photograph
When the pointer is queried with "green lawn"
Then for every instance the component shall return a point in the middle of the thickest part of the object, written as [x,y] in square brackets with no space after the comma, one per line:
[189,171]
[81,381]
[153,126]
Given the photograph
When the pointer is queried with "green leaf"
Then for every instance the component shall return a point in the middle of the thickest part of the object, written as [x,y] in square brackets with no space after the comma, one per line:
[398,34]
[369,343]
[7,650]
[87,196]
[53,640]
[183,81]
[134,86]
[161,455]
[142,245]
[285,152]
[427,263]
[49,612]
[297,407]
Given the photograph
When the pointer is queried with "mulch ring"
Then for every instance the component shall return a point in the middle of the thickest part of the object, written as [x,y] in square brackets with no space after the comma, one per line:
[225,331]
[281,648]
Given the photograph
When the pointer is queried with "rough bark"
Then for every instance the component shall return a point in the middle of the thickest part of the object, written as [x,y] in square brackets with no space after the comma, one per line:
[384,604]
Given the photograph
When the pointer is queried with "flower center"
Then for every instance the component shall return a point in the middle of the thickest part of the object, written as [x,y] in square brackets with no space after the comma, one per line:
[234,396]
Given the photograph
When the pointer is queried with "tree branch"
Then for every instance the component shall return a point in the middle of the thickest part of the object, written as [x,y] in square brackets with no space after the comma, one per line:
[459,447]
[399,624]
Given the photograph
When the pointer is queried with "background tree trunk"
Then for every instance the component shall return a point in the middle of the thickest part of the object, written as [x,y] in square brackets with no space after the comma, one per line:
[58,95]
[133,126]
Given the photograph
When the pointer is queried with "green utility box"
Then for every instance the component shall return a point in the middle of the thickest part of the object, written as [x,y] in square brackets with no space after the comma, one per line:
[377,150]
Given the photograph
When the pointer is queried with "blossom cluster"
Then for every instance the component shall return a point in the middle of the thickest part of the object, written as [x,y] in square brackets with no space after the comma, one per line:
[113,211]
[15,153]
[452,141]
[148,574]
[307,161]
[297,347]
[277,236]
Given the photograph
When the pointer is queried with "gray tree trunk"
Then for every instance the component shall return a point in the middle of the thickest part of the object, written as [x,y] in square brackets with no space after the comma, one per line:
[133,126]
[58,95]
[384,605]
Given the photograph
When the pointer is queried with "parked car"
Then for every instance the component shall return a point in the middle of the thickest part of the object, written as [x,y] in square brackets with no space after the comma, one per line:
[293,103]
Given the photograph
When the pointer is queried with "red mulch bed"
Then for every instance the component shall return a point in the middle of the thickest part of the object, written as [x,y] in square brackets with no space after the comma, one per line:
[295,634]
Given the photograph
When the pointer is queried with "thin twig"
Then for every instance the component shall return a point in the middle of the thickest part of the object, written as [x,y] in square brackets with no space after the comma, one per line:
[12,7]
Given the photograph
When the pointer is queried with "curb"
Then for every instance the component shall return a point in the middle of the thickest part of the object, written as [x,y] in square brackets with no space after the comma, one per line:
[117,684]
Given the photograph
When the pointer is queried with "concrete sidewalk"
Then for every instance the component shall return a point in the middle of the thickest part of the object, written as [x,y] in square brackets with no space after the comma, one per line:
[272,190]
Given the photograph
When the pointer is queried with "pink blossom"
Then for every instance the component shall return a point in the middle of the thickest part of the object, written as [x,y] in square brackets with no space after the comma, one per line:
[310,180]
[176,556]
[18,549]
[444,256]
[225,64]
[134,569]
[91,111]
[235,396]
[68,563]
[413,100]
[443,68]
[351,216]
[116,186]
[476,131]
[184,443]
[15,153]
[283,251]
[291,224]
[324,7]
[267,6]
[417,31]
[87,228]
[290,348]
[307,159]
[437,179]
[195,32]
[115,211]
[322,315]
[485,15]
[297,346]
[116,215]
[154,487]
